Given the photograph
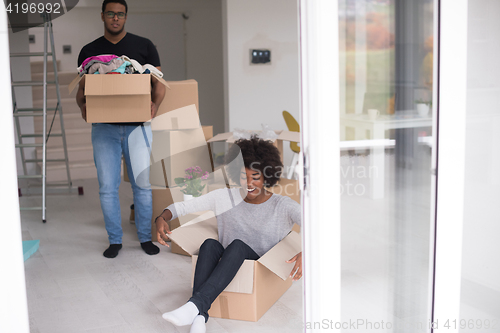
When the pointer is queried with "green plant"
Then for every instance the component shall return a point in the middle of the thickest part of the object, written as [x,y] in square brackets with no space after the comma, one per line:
[192,181]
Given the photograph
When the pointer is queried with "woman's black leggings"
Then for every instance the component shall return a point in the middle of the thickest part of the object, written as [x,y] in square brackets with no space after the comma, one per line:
[215,269]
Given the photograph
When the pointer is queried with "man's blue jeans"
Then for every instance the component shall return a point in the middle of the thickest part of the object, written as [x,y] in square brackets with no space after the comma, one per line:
[110,142]
[215,269]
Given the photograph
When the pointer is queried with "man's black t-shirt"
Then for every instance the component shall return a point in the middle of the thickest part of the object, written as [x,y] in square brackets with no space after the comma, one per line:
[133,46]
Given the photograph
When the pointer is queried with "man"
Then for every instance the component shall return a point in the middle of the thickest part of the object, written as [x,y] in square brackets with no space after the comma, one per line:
[111,141]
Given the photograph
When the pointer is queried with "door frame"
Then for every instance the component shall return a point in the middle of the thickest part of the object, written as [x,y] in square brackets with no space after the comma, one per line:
[450,94]
[319,73]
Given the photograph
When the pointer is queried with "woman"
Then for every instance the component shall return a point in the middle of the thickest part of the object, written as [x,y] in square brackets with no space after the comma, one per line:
[251,220]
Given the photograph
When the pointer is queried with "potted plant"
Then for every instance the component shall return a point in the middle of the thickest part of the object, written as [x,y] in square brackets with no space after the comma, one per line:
[192,182]
[423,107]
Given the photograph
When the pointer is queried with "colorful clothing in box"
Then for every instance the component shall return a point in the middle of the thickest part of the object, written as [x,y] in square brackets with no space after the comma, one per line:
[104,58]
[124,68]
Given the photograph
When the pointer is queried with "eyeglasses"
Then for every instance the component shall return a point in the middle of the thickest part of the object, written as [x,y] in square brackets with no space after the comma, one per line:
[111,15]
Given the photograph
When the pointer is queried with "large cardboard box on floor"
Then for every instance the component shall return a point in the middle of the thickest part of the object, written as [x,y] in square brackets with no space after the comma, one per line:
[282,136]
[119,98]
[257,285]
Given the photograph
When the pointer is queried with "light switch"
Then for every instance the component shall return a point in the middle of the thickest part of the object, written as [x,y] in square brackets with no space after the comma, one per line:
[66,49]
[260,56]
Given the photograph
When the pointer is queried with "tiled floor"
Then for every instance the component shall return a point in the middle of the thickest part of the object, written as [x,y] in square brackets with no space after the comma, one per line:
[72,288]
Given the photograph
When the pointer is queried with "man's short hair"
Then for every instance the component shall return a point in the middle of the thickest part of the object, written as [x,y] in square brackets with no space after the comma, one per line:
[122,2]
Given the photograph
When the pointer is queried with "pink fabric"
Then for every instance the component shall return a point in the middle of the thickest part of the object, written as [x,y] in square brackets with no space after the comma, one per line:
[103,58]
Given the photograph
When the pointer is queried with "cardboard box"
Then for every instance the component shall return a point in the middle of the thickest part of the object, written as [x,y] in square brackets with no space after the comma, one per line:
[174,152]
[178,143]
[180,94]
[173,149]
[176,148]
[208,134]
[117,98]
[162,198]
[257,285]
[282,136]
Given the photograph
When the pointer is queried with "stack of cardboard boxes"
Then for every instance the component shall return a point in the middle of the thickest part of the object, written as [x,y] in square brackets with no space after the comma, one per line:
[180,142]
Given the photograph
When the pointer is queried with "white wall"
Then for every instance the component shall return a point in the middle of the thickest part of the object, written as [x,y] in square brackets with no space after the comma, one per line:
[204,61]
[166,31]
[76,28]
[202,51]
[259,93]
[482,167]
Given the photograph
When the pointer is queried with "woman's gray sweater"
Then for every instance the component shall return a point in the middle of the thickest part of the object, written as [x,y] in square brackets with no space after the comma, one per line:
[260,226]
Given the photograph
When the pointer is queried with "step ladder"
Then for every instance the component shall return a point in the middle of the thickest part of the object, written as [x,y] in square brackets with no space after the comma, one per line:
[41,112]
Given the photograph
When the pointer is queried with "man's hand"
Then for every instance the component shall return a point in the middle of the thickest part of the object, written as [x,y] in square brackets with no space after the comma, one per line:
[80,99]
[297,268]
[162,230]
[83,108]
[157,94]
[154,109]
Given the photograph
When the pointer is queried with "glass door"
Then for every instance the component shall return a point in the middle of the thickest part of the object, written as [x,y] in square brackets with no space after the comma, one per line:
[385,116]
[386,129]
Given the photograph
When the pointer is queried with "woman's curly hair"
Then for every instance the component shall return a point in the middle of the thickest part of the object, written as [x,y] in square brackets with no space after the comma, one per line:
[258,154]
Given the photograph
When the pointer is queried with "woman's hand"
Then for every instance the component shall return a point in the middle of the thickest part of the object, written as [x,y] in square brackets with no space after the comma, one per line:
[162,230]
[297,268]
